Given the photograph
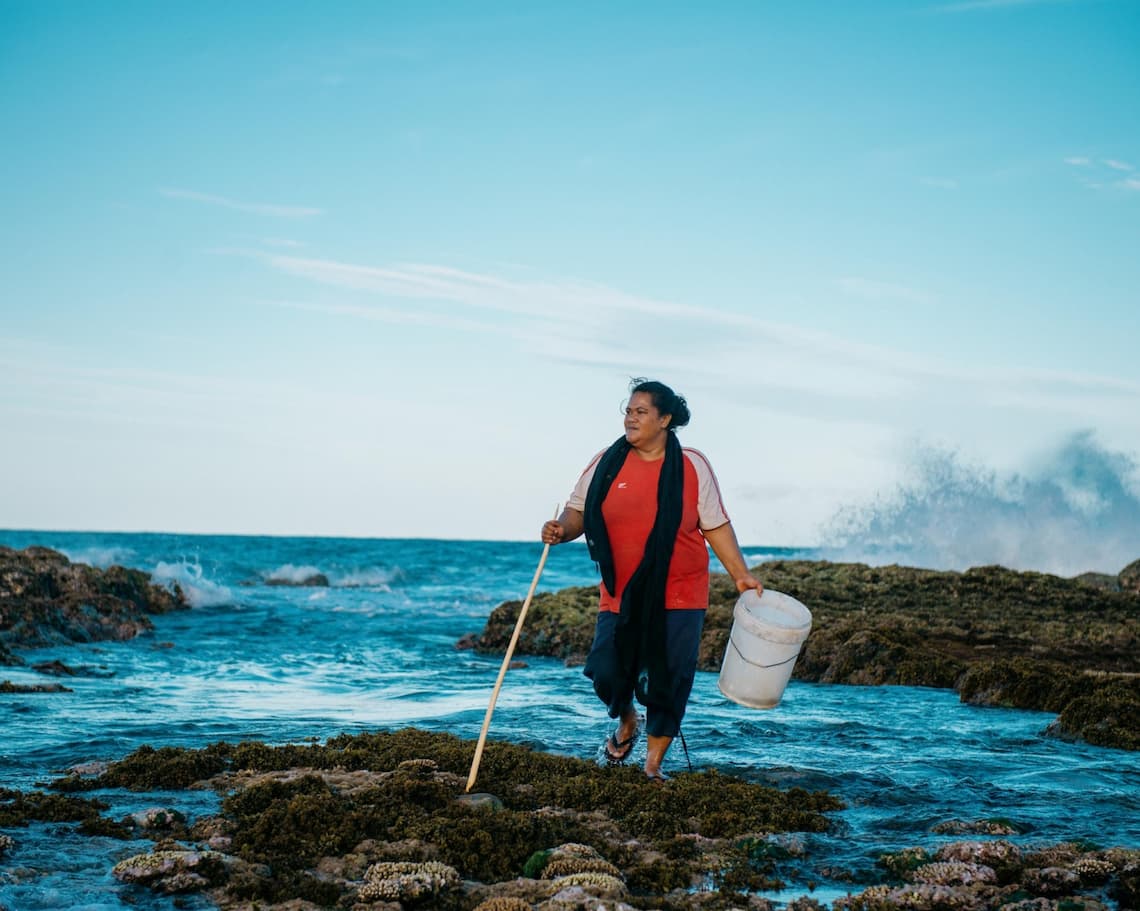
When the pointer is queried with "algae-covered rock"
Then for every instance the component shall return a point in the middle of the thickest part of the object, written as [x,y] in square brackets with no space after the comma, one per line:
[1107,713]
[7,686]
[1001,637]
[1129,578]
[47,599]
[172,871]
[314,830]
[995,826]
[18,808]
[371,822]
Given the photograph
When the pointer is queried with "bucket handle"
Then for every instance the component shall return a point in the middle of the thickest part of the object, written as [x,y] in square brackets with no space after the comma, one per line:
[757,664]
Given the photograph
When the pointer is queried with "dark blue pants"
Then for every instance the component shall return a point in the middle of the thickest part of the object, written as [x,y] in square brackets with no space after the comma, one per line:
[682,642]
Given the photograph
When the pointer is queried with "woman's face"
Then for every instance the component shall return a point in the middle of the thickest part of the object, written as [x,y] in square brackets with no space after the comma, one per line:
[645,426]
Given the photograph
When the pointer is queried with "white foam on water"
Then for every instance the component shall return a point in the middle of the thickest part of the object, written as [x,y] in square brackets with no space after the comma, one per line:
[100,557]
[293,575]
[378,577]
[188,576]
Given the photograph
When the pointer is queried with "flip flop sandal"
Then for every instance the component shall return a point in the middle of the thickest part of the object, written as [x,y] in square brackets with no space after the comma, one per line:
[617,751]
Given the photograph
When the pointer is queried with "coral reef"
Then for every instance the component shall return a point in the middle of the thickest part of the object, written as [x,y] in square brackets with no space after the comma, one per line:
[367,822]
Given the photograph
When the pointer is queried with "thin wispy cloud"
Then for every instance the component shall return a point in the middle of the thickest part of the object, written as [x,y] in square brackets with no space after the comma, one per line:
[578,322]
[271,210]
[1104,174]
[381,314]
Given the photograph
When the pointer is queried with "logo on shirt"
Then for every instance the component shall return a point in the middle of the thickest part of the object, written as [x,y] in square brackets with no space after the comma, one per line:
[621,485]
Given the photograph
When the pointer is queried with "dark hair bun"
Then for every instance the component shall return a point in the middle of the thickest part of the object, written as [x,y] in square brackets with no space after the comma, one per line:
[665,400]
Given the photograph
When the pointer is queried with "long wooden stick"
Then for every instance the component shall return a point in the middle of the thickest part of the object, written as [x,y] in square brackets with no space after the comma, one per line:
[506,664]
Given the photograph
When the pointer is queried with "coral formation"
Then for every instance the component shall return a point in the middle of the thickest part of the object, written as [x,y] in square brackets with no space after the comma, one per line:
[949,872]
[902,863]
[172,870]
[572,859]
[999,853]
[407,882]
[1051,881]
[603,882]
[503,903]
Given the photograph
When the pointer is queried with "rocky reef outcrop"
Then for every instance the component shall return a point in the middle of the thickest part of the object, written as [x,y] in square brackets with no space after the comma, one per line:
[46,599]
[997,636]
[380,822]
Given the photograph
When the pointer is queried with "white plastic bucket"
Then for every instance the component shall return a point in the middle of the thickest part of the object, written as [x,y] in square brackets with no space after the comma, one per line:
[767,632]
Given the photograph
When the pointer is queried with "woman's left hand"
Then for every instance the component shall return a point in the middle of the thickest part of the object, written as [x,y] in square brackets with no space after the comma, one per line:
[747,581]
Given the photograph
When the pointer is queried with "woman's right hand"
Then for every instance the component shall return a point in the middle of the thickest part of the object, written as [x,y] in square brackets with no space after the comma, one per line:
[553,532]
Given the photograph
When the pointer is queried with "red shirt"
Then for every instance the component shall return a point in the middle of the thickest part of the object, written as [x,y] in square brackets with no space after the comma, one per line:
[630,509]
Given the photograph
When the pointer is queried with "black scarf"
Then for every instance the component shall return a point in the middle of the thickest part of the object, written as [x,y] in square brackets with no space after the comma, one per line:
[640,633]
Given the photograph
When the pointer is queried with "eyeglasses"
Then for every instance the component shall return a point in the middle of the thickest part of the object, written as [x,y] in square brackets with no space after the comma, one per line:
[640,411]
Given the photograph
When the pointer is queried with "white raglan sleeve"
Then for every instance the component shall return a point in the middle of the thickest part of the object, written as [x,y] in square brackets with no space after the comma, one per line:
[577,498]
[710,505]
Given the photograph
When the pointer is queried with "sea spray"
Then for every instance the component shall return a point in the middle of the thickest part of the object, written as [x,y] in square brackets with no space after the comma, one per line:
[100,557]
[189,577]
[1075,509]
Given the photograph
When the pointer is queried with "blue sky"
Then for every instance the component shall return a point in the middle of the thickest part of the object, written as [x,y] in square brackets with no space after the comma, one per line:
[385,268]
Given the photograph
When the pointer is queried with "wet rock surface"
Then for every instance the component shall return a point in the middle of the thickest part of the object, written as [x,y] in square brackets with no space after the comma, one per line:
[46,599]
[374,821]
[997,636]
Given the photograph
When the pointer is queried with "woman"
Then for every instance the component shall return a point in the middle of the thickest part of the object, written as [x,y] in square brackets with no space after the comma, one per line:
[647,507]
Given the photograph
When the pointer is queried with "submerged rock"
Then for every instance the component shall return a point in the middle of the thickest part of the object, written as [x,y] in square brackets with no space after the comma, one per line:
[46,599]
[314,580]
[7,686]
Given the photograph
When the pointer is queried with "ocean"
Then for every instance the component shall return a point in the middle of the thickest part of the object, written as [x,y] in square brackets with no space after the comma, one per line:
[376,650]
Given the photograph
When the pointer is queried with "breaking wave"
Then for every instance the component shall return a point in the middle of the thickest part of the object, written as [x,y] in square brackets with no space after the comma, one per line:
[375,577]
[188,576]
[1077,509]
[100,557]
[292,574]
